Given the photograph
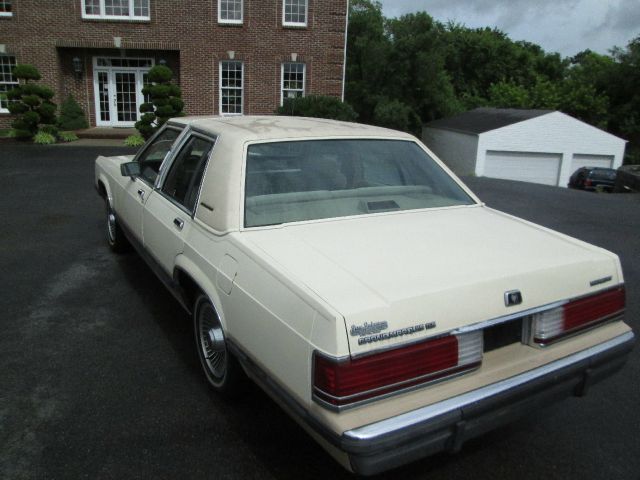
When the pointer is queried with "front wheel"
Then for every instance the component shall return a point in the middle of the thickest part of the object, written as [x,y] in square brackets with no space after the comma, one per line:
[220,367]
[118,243]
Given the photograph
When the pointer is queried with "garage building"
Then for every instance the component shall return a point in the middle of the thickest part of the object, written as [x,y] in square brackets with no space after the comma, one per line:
[538,146]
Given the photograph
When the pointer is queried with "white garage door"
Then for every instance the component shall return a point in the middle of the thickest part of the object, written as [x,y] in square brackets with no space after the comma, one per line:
[579,160]
[523,166]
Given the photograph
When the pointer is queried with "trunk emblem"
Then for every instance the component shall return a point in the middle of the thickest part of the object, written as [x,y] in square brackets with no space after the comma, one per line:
[512,297]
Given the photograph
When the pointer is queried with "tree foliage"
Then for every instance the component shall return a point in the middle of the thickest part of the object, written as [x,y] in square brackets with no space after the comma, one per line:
[30,103]
[165,101]
[72,116]
[405,71]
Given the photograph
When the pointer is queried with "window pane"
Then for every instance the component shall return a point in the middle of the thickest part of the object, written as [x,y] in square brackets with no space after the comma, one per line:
[141,8]
[118,8]
[295,11]
[5,6]
[292,80]
[153,156]
[92,7]
[231,10]
[185,176]
[7,82]
[231,87]
[308,180]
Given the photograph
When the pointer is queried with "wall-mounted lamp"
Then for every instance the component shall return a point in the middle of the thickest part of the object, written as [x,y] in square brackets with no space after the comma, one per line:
[162,61]
[77,67]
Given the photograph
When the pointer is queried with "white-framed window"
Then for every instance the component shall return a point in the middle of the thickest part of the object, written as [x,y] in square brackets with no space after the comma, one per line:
[292,80]
[294,13]
[116,9]
[7,82]
[5,8]
[231,87]
[230,11]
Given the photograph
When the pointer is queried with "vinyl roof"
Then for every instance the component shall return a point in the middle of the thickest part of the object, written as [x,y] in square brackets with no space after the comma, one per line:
[267,127]
[483,120]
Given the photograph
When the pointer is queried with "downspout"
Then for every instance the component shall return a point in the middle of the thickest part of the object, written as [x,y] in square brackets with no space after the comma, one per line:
[344,59]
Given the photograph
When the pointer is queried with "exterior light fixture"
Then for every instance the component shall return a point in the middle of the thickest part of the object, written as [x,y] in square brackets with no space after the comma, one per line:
[77,66]
[162,61]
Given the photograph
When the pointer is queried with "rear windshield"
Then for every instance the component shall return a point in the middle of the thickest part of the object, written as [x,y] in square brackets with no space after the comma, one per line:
[603,174]
[315,179]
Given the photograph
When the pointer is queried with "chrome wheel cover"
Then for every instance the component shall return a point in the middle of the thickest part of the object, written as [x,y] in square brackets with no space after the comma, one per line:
[111,224]
[212,344]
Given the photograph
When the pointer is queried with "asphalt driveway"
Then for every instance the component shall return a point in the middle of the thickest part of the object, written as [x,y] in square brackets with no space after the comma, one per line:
[98,377]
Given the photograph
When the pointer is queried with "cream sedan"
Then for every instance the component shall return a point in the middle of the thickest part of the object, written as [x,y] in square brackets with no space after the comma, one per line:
[350,274]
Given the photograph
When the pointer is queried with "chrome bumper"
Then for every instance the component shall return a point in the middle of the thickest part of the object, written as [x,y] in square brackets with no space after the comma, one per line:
[446,425]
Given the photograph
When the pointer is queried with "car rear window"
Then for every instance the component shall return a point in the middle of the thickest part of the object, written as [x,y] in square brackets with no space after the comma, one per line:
[603,174]
[314,179]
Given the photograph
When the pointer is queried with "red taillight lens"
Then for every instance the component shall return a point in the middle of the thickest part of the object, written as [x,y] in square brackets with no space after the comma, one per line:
[344,382]
[575,315]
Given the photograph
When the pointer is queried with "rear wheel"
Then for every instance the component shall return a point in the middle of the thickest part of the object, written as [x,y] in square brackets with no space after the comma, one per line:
[221,368]
[118,243]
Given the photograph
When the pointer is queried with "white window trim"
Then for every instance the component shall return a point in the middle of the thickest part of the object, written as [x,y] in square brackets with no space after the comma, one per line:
[231,22]
[235,88]
[103,16]
[304,80]
[15,82]
[296,24]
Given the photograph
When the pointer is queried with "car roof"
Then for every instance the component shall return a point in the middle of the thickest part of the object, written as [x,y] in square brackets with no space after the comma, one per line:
[269,127]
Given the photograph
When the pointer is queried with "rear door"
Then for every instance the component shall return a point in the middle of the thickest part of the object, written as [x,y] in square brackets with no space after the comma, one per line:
[168,214]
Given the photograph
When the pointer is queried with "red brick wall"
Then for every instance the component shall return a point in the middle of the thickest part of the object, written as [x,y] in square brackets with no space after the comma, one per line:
[187,35]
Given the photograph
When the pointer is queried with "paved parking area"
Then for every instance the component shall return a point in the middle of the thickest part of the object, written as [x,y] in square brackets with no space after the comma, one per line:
[98,377]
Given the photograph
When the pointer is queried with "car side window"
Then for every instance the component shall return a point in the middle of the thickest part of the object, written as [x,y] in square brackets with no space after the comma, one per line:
[151,159]
[185,175]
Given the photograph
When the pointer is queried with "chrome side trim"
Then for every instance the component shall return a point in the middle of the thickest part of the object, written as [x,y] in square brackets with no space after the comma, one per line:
[411,419]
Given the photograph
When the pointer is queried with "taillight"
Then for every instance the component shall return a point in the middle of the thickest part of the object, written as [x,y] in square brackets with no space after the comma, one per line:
[576,315]
[588,182]
[343,382]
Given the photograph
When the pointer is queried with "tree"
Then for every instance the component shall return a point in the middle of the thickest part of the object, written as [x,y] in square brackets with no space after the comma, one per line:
[31,103]
[368,53]
[165,101]
[72,116]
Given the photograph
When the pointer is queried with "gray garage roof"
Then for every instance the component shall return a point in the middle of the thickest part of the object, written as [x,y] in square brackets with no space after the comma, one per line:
[483,120]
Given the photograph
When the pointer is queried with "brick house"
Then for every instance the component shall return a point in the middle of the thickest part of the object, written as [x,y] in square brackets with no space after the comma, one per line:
[229,56]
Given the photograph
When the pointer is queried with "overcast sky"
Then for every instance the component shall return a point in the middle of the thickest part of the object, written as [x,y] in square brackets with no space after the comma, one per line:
[565,26]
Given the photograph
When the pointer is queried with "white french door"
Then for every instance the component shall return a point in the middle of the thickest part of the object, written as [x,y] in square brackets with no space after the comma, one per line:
[118,90]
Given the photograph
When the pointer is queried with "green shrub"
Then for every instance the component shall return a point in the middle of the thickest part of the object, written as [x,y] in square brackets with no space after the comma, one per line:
[67,136]
[31,104]
[44,138]
[318,106]
[50,129]
[72,116]
[26,72]
[397,115]
[165,101]
[134,141]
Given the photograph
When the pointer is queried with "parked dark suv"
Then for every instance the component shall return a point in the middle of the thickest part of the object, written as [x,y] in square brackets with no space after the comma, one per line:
[589,178]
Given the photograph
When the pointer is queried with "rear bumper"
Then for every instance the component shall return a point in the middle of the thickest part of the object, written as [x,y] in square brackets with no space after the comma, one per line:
[446,425]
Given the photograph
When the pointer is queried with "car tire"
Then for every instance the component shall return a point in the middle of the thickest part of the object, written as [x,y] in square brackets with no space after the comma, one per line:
[223,372]
[116,239]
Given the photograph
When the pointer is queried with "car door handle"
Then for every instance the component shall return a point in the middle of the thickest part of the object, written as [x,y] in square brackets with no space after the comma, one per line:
[141,193]
[178,222]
